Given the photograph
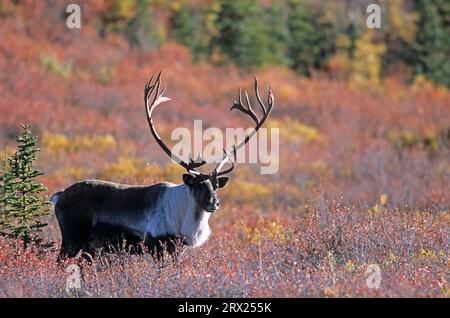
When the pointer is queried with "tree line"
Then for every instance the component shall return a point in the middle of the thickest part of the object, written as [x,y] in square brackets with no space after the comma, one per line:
[304,35]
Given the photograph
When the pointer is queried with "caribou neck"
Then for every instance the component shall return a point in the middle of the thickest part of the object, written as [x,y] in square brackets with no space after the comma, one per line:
[184,217]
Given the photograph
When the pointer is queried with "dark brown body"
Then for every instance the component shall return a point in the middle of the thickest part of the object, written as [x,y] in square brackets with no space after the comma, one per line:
[94,215]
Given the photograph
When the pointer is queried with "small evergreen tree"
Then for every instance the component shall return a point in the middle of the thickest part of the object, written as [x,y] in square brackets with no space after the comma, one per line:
[398,33]
[182,24]
[188,28]
[141,30]
[242,34]
[311,37]
[432,46]
[118,14]
[278,32]
[24,202]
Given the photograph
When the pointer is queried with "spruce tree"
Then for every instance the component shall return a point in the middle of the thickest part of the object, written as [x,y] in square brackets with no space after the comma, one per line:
[25,203]
[140,30]
[278,32]
[432,46]
[188,29]
[311,37]
[302,37]
[242,33]
[182,24]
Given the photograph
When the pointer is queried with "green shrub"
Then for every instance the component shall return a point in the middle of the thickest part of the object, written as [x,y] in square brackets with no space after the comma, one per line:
[23,198]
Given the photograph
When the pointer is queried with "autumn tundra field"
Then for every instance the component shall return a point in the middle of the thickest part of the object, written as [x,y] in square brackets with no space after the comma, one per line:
[363,186]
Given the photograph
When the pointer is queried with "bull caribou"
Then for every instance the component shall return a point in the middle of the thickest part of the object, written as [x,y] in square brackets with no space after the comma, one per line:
[94,213]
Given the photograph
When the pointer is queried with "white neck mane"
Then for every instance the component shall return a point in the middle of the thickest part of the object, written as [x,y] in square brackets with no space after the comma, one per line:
[183,217]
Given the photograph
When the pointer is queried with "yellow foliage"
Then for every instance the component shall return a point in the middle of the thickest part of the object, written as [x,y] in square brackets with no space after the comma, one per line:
[105,142]
[210,17]
[431,140]
[135,169]
[408,139]
[383,199]
[269,229]
[421,82]
[374,211]
[391,260]
[175,6]
[246,192]
[446,293]
[401,23]
[331,257]
[366,63]
[73,173]
[350,266]
[122,9]
[57,143]
[343,41]
[153,171]
[123,169]
[330,292]
[172,172]
[427,255]
[295,131]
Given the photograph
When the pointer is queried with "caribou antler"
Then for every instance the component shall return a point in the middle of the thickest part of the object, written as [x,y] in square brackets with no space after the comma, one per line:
[244,107]
[247,109]
[158,99]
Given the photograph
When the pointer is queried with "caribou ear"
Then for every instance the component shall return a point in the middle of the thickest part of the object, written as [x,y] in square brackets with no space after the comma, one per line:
[222,181]
[188,179]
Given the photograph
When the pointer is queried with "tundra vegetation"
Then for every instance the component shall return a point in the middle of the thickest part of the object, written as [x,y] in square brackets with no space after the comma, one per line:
[364,167]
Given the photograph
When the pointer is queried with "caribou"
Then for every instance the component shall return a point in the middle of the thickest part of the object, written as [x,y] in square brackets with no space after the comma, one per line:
[95,214]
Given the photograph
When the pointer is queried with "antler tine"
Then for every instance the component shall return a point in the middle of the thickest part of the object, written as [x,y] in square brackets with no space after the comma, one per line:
[249,111]
[158,99]
[198,162]
[258,97]
[270,99]
[245,109]
[148,87]
[158,82]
